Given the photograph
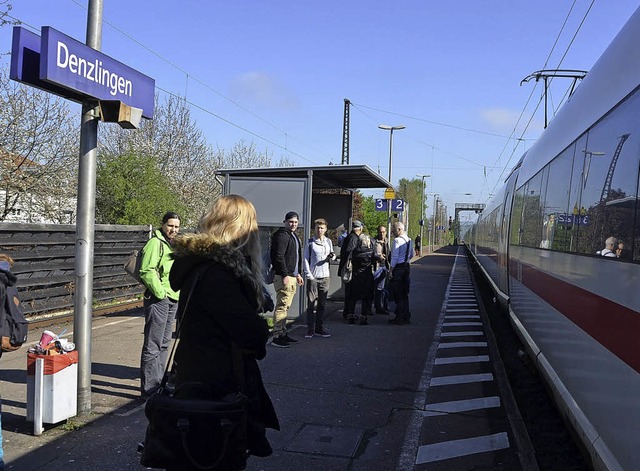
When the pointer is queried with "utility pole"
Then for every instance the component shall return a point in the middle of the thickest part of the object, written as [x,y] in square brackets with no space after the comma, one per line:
[345,133]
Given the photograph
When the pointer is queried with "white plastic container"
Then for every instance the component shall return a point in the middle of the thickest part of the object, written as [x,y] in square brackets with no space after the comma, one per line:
[59,387]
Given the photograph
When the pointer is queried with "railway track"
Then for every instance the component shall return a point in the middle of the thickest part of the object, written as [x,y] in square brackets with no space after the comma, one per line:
[97,312]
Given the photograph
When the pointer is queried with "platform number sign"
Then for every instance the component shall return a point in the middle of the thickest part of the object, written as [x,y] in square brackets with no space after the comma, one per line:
[397,205]
[381,204]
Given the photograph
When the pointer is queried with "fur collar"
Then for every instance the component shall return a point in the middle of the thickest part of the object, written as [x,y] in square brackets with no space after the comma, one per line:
[205,247]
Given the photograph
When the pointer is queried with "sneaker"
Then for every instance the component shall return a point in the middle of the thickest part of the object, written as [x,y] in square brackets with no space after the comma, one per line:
[309,334]
[289,339]
[322,332]
[280,342]
[351,321]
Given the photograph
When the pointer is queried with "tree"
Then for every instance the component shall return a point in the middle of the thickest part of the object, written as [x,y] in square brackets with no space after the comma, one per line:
[38,152]
[411,192]
[130,189]
[371,218]
[181,153]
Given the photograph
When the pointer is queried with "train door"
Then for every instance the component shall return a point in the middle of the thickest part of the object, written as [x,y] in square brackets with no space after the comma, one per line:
[504,231]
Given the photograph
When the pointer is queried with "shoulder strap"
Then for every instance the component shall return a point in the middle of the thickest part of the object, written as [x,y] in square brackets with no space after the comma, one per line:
[406,255]
[236,353]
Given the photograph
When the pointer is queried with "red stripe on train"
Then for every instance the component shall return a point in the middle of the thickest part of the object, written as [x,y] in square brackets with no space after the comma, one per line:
[616,327]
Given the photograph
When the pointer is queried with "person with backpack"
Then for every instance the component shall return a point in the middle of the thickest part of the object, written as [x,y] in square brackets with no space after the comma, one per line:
[160,303]
[286,258]
[357,251]
[318,252]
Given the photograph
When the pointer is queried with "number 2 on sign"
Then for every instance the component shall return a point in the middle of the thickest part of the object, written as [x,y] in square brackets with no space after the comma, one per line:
[397,205]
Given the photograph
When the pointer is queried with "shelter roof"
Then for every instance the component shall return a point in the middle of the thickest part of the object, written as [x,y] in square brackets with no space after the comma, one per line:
[324,177]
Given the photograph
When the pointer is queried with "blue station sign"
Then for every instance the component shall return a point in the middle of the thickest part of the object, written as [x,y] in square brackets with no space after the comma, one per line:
[59,64]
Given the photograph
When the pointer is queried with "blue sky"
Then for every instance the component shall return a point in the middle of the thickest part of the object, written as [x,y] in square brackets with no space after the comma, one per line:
[277,73]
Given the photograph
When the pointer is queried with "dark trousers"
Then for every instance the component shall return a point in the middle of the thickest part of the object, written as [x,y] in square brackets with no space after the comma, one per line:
[317,292]
[400,292]
[351,294]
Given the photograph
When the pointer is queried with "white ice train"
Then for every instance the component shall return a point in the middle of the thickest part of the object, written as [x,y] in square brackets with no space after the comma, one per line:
[538,243]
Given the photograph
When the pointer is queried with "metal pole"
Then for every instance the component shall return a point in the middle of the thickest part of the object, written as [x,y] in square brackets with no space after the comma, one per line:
[422,214]
[389,202]
[85,221]
[433,224]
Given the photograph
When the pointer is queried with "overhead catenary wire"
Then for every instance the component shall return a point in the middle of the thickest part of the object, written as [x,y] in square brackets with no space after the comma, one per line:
[506,166]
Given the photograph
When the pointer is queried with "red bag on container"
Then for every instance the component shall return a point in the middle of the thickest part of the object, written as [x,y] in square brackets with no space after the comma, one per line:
[52,363]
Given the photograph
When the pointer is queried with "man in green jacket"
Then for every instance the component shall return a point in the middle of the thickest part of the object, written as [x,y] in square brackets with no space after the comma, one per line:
[160,303]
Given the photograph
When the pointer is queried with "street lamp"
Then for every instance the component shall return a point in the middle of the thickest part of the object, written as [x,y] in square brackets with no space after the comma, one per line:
[433,224]
[386,127]
[422,218]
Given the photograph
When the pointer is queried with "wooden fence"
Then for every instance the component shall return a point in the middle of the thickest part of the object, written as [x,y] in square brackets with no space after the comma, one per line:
[44,257]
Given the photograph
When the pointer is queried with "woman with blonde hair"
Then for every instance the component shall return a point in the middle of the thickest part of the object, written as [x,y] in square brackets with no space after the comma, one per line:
[220,267]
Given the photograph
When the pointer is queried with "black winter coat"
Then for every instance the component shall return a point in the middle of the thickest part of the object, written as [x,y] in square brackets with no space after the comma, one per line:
[223,308]
[6,279]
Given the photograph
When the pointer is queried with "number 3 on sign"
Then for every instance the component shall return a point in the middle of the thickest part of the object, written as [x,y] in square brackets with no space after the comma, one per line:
[397,205]
[381,205]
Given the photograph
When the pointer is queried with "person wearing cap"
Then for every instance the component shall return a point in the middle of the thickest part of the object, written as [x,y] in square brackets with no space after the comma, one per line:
[357,249]
[160,303]
[286,259]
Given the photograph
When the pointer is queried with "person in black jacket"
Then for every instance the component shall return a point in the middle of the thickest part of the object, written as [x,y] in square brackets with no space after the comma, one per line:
[224,307]
[6,279]
[286,259]
[357,250]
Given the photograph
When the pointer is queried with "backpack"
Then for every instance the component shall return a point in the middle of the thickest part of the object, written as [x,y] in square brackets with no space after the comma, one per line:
[268,271]
[15,326]
[132,265]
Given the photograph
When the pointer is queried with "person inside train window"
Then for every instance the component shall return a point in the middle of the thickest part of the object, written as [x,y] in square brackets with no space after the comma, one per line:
[610,244]
[620,250]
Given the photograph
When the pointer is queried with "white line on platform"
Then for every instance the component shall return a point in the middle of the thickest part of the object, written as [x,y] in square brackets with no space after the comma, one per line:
[461,379]
[462,310]
[461,324]
[467,359]
[463,316]
[460,334]
[461,344]
[464,447]
[453,407]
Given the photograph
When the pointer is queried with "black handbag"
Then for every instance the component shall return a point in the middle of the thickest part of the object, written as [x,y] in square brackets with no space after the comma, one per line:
[186,427]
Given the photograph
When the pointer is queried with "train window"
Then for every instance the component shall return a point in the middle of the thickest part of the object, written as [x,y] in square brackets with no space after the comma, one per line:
[515,237]
[574,217]
[556,229]
[532,220]
[611,178]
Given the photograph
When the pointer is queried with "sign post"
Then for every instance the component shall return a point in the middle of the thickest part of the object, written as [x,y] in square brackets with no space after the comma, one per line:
[61,65]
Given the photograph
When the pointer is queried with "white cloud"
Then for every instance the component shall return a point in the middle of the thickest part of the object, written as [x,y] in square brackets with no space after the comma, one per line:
[500,118]
[263,89]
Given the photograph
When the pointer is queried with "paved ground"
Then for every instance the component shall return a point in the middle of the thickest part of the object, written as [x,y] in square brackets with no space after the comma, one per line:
[345,403]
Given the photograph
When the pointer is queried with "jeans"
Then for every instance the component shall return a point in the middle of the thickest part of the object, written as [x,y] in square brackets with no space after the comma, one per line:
[317,292]
[158,327]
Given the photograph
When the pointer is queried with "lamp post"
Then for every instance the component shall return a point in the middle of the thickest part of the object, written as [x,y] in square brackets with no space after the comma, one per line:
[386,127]
[432,234]
[422,218]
